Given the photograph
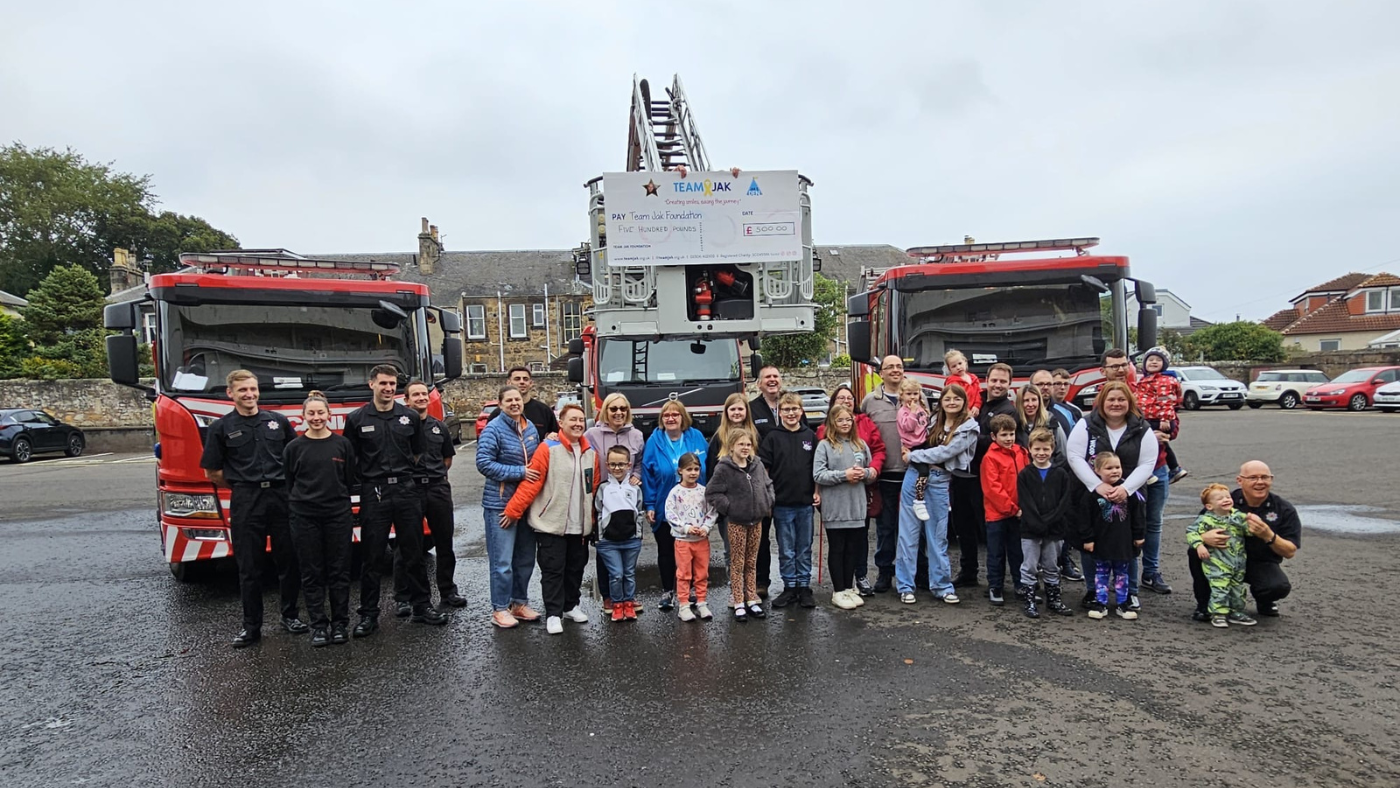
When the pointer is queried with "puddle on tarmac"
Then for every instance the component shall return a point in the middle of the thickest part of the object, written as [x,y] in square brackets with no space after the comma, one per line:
[1347,519]
[1336,518]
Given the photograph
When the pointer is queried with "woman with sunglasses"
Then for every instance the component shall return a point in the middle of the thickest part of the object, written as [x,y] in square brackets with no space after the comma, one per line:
[614,427]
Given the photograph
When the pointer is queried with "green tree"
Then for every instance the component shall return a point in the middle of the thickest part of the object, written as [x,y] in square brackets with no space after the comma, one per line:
[53,208]
[69,300]
[56,208]
[793,350]
[1237,341]
[13,347]
[64,321]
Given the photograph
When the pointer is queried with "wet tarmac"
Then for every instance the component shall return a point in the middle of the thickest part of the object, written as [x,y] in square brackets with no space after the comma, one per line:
[115,674]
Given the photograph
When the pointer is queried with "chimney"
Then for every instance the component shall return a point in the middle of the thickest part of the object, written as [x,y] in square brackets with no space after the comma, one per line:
[429,248]
[125,272]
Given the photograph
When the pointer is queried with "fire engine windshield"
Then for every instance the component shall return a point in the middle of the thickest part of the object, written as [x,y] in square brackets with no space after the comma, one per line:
[291,348]
[1024,326]
[668,361]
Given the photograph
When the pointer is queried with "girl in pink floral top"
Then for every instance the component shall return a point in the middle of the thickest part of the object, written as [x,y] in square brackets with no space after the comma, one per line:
[691,519]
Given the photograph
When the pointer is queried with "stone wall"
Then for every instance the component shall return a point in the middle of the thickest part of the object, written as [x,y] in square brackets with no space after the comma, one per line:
[82,403]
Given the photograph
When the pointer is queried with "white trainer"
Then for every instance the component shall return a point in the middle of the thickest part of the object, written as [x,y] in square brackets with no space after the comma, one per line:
[576,615]
[703,610]
[920,509]
[855,596]
[842,600]
[554,626]
[686,613]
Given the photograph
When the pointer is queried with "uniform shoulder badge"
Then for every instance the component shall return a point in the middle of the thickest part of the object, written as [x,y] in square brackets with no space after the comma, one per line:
[272,425]
[437,431]
[403,420]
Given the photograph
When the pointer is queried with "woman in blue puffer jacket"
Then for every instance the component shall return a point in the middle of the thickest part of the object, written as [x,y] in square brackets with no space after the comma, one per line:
[672,439]
[503,452]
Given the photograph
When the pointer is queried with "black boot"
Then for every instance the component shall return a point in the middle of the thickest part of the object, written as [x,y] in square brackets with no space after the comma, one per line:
[1053,603]
[1029,599]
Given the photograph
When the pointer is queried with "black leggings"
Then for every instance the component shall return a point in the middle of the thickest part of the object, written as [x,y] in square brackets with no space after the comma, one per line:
[965,493]
[666,555]
[845,556]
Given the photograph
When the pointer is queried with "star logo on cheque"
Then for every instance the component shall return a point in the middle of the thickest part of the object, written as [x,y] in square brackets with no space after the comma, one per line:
[651,188]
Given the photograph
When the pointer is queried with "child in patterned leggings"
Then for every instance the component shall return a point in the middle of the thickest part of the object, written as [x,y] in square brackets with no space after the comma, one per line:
[1223,567]
[1111,532]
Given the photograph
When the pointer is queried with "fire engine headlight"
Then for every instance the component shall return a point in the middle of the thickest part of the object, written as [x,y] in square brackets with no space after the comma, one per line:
[189,505]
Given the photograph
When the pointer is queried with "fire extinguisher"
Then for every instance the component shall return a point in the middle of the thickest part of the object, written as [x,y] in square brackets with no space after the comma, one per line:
[704,296]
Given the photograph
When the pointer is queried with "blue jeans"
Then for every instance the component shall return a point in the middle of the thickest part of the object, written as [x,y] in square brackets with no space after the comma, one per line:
[934,531]
[1156,495]
[794,527]
[1003,546]
[620,558]
[510,552]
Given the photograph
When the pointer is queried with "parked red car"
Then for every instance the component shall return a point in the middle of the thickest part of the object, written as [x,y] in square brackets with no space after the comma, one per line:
[486,408]
[1352,390]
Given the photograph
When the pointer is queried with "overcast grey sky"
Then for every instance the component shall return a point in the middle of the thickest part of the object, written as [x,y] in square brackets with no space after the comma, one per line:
[1237,152]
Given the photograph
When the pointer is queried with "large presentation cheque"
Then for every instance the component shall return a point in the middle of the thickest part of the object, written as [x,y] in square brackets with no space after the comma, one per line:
[660,218]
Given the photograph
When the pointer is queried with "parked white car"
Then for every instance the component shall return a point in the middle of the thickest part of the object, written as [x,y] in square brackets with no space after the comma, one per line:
[1202,386]
[1284,387]
[1387,398]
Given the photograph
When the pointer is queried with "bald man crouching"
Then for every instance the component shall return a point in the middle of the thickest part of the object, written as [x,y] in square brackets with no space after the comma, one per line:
[1275,533]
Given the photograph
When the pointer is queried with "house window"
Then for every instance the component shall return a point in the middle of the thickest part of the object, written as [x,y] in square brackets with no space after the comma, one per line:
[1375,300]
[517,322]
[148,327]
[573,321]
[476,368]
[476,321]
[537,319]
[1329,344]
[538,366]
[1158,309]
[1395,299]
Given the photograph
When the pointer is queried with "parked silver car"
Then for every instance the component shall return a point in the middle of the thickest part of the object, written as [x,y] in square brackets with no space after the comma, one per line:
[1202,386]
[815,402]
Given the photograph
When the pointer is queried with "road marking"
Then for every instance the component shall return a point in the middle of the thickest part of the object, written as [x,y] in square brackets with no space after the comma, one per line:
[132,459]
[82,459]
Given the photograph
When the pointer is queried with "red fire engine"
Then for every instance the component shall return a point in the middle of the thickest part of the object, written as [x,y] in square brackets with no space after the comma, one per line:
[1029,312]
[298,324]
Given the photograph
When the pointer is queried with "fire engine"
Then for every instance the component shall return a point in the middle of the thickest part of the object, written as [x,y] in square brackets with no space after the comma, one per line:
[297,323]
[677,331]
[1029,304]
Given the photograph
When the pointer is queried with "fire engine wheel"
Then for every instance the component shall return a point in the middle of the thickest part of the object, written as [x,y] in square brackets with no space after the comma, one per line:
[190,571]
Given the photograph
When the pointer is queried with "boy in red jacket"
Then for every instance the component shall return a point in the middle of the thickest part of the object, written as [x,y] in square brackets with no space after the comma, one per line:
[1004,460]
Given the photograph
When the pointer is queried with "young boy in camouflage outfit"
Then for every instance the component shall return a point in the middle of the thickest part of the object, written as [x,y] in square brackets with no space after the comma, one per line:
[1224,567]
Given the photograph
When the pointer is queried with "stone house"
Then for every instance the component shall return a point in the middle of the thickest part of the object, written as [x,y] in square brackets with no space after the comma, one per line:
[1351,312]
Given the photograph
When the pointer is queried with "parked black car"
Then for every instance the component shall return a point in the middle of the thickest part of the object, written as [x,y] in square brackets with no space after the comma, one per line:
[25,432]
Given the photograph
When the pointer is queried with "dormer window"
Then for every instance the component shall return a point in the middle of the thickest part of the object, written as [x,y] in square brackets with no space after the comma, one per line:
[1375,300]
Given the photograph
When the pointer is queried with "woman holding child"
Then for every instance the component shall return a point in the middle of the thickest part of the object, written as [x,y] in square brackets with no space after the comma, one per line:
[1114,424]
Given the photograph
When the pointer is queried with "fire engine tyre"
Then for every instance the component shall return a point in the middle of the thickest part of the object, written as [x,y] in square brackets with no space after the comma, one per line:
[1191,401]
[191,571]
[1235,405]
[22,451]
[75,445]
[1357,402]
[1255,405]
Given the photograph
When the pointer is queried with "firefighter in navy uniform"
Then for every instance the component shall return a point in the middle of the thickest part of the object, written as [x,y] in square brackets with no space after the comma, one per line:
[243,451]
[437,504]
[388,440]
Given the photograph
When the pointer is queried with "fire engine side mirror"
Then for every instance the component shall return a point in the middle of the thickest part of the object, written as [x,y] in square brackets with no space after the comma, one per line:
[575,368]
[1144,292]
[576,347]
[121,359]
[1146,328]
[858,340]
[755,365]
[119,317]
